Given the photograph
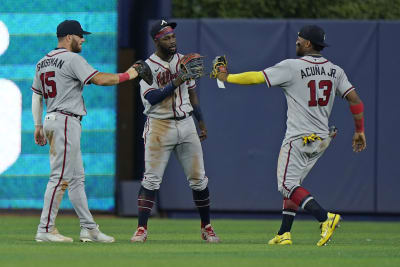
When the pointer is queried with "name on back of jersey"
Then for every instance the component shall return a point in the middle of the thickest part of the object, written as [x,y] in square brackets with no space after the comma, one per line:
[317,70]
[47,62]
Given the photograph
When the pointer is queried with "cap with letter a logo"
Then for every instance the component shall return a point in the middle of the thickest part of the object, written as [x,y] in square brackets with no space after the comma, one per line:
[160,28]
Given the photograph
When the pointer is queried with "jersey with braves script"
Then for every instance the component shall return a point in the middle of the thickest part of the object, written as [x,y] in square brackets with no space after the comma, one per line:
[60,78]
[176,105]
[310,84]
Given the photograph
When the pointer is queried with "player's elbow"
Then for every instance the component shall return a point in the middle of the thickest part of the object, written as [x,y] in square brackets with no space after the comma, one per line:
[353,98]
[98,81]
[104,79]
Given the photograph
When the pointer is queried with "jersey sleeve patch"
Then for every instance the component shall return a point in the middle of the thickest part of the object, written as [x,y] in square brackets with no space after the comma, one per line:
[37,91]
[348,91]
[266,79]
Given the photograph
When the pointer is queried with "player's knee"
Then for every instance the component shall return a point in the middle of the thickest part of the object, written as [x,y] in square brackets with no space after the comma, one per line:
[150,183]
[283,191]
[198,184]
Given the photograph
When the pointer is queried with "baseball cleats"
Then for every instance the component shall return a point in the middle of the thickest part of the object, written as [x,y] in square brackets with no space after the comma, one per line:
[328,227]
[53,236]
[95,235]
[208,234]
[283,239]
[140,235]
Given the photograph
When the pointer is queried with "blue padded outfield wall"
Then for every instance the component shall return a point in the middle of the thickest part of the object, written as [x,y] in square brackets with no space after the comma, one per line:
[246,124]
[32,33]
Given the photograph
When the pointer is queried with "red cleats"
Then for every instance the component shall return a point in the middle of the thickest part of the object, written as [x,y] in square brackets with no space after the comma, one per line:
[140,235]
[208,234]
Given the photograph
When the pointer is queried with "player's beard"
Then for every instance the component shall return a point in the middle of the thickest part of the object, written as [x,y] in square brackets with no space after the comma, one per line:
[167,51]
[75,46]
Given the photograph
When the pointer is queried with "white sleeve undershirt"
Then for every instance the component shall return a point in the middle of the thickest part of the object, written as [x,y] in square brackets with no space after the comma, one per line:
[37,109]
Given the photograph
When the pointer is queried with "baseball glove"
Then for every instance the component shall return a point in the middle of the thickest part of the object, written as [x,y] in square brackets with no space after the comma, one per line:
[144,71]
[191,67]
[219,66]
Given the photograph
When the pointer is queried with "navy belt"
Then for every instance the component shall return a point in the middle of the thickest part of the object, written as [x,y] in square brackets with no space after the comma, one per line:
[79,117]
[181,118]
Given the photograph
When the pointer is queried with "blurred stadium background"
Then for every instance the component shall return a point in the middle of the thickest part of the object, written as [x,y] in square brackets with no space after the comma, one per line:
[246,124]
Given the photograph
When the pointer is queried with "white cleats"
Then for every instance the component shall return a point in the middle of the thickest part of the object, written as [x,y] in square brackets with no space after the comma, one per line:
[53,236]
[95,235]
[140,235]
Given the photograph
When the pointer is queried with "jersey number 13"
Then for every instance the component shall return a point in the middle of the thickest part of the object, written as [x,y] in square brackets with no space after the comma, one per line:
[326,85]
[49,86]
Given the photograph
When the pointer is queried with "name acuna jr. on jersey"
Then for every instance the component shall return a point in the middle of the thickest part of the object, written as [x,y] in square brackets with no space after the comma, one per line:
[317,70]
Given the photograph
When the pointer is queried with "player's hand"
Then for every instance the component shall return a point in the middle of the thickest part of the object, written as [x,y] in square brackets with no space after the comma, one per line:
[222,76]
[359,142]
[177,81]
[219,68]
[143,71]
[203,131]
[132,73]
[40,139]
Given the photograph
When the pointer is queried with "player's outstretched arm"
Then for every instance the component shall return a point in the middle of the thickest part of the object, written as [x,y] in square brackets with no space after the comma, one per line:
[140,69]
[105,79]
[194,101]
[357,109]
[220,71]
[37,111]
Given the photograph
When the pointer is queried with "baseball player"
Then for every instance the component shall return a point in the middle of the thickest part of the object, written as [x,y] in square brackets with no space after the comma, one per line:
[60,77]
[169,103]
[309,84]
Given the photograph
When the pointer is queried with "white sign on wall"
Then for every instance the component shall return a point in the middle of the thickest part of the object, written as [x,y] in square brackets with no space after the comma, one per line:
[4,38]
[10,113]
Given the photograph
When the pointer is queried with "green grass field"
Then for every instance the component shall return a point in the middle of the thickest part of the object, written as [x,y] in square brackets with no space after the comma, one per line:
[177,243]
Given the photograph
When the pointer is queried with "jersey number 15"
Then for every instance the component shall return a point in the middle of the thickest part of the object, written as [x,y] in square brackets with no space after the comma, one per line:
[324,84]
[49,86]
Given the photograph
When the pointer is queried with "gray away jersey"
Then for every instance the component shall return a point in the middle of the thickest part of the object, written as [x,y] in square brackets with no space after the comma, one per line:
[60,78]
[176,105]
[310,84]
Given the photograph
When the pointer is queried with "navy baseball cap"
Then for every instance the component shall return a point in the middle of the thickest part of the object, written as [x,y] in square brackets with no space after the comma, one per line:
[314,34]
[159,25]
[70,27]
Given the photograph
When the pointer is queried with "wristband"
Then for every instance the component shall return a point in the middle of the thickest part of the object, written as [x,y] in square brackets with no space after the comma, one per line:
[357,109]
[123,77]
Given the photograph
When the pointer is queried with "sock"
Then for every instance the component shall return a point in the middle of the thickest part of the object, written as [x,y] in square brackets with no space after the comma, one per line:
[202,202]
[145,204]
[288,213]
[301,197]
[315,209]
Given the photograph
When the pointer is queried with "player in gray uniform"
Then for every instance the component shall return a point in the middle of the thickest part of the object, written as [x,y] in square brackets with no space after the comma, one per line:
[310,84]
[169,104]
[59,79]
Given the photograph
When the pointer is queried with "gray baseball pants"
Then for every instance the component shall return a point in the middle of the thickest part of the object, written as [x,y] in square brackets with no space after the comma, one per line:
[63,133]
[161,138]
